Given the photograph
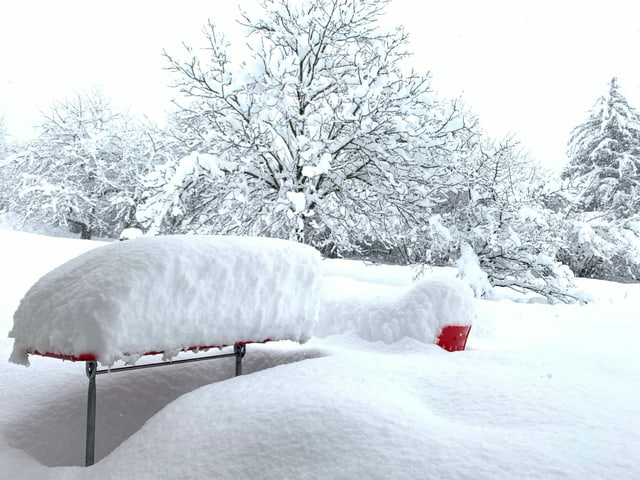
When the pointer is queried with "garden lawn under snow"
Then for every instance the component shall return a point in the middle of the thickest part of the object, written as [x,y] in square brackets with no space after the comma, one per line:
[541,392]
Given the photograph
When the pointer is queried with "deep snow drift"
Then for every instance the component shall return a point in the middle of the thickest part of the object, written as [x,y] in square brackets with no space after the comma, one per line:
[385,314]
[165,294]
[542,392]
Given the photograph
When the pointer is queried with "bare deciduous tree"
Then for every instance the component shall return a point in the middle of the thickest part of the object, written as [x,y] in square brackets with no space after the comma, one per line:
[318,135]
[82,168]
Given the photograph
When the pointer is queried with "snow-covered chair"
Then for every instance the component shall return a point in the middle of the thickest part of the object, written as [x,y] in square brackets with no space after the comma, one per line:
[168,295]
[436,309]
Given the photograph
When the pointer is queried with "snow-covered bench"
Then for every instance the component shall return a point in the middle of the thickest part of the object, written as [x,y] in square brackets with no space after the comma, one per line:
[167,295]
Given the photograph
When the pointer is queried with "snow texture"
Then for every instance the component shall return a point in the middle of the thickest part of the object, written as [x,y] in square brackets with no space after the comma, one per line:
[375,313]
[130,233]
[165,294]
[298,201]
[542,392]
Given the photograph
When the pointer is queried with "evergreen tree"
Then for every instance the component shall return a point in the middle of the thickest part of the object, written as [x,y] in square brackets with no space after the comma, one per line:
[604,157]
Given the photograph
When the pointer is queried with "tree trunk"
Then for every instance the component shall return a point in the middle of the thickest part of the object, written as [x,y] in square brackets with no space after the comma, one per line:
[77,226]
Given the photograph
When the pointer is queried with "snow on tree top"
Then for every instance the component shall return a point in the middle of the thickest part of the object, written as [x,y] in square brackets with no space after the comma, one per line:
[168,293]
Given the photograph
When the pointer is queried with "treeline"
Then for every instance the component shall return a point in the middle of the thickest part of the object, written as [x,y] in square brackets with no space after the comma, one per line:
[322,135]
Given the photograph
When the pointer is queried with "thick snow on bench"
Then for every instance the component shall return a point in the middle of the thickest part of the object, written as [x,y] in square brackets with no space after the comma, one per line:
[165,294]
[377,312]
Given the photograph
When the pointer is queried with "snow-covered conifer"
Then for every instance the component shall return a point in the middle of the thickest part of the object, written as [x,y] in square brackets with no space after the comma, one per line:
[604,157]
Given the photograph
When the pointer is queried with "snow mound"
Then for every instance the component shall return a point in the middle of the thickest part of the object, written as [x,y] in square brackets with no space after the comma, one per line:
[165,294]
[130,233]
[391,314]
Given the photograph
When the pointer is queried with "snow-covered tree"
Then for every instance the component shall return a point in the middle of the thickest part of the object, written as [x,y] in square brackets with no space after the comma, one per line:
[599,204]
[594,246]
[494,214]
[81,169]
[318,134]
[604,157]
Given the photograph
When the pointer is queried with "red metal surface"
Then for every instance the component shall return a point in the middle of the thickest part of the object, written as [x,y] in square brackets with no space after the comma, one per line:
[454,338]
[85,357]
[89,357]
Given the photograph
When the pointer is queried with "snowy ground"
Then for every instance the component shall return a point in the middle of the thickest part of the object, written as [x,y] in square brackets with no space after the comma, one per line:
[542,392]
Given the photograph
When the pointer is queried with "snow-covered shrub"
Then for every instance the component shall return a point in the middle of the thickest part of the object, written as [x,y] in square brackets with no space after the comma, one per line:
[130,233]
[494,208]
[470,272]
[595,246]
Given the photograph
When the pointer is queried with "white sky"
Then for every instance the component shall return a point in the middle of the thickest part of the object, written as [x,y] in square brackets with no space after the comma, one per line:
[530,67]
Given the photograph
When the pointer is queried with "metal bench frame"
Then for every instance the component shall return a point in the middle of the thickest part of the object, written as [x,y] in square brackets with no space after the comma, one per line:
[91,368]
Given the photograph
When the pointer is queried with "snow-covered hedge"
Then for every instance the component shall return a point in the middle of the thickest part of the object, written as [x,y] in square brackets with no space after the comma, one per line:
[168,293]
[375,314]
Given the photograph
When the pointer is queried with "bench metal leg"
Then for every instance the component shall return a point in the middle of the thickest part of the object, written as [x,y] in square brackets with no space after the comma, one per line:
[91,369]
[239,350]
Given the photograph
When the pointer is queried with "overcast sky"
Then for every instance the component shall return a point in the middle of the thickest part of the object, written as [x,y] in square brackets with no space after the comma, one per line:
[530,67]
